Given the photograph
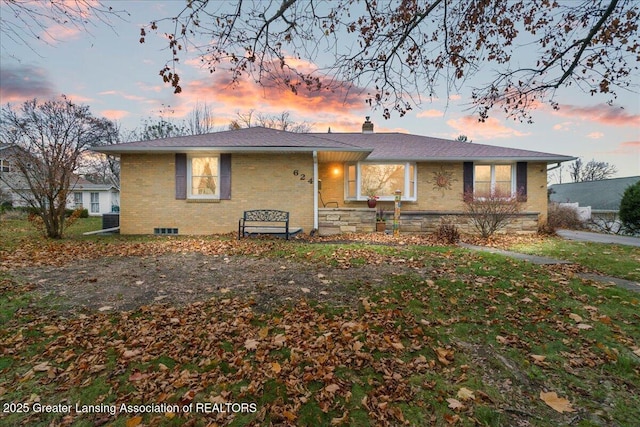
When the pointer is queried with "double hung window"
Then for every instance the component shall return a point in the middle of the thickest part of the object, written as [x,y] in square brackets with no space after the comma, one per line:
[95,202]
[203,177]
[493,179]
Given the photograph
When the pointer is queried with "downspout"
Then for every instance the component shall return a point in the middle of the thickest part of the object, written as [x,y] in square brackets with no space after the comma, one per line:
[315,190]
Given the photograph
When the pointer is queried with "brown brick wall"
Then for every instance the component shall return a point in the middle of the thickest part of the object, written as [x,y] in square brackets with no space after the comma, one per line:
[266,181]
[258,181]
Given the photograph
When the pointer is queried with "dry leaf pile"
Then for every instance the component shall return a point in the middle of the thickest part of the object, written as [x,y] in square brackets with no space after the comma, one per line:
[222,349]
[237,354]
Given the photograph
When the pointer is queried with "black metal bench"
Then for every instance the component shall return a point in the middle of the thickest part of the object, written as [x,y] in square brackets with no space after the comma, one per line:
[259,221]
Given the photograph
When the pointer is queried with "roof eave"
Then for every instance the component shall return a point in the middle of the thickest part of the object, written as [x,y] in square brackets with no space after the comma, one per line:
[166,150]
[557,159]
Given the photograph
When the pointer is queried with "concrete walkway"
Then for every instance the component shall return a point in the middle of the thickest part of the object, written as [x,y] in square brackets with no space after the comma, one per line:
[535,259]
[587,236]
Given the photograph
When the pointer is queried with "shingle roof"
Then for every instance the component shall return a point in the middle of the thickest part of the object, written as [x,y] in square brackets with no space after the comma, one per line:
[250,138]
[605,194]
[379,146]
[401,146]
[83,184]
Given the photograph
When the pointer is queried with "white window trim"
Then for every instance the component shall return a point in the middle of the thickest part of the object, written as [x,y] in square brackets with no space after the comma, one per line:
[215,196]
[492,185]
[408,180]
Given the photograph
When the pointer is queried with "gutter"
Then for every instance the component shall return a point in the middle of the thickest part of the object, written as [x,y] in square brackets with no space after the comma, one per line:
[114,149]
[554,167]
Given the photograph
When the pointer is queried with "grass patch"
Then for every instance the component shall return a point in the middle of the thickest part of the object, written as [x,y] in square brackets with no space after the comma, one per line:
[612,260]
[454,337]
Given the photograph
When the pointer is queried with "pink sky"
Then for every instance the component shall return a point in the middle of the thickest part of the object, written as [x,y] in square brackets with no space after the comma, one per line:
[118,78]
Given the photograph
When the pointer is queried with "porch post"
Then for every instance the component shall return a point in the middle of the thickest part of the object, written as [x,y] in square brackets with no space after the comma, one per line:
[315,190]
[396,213]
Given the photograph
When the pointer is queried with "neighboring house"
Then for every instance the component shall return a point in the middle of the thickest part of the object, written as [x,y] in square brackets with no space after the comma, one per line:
[96,198]
[202,184]
[603,195]
[9,178]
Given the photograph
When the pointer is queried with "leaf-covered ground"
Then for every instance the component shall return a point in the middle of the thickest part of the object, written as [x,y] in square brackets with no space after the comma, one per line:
[261,332]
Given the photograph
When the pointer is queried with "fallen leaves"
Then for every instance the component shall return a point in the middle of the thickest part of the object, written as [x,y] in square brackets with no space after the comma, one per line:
[559,404]
[444,355]
[305,356]
[465,394]
[251,344]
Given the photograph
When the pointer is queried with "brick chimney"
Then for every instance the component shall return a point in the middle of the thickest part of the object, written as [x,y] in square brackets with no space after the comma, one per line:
[367,126]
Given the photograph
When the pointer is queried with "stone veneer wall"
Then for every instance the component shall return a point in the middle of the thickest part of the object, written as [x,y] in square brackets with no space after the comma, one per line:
[362,220]
[346,220]
[428,222]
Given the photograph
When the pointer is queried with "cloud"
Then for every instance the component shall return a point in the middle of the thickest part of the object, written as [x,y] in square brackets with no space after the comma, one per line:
[21,83]
[247,94]
[59,32]
[123,95]
[341,109]
[564,126]
[595,135]
[601,113]
[627,147]
[430,113]
[492,128]
[114,114]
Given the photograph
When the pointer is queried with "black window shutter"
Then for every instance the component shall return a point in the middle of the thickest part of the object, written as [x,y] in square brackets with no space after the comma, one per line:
[225,176]
[181,176]
[467,178]
[521,181]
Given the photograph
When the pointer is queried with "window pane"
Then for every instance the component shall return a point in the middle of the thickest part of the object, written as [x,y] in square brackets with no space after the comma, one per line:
[503,180]
[412,177]
[503,172]
[95,202]
[204,176]
[352,189]
[203,185]
[503,188]
[382,180]
[351,181]
[204,166]
[482,189]
[483,173]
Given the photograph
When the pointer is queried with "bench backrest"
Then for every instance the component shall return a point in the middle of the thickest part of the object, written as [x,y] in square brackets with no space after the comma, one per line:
[266,215]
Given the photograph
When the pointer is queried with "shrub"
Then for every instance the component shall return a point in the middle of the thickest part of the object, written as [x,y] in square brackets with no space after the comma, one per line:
[491,212]
[563,216]
[78,213]
[6,206]
[11,214]
[447,232]
[630,208]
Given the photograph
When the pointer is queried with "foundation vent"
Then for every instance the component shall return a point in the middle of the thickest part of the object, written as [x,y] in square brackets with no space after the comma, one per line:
[162,231]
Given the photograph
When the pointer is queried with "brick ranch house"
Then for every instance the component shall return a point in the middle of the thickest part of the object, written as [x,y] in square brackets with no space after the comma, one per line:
[202,184]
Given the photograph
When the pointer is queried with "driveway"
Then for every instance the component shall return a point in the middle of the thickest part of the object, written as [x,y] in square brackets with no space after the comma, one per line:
[587,236]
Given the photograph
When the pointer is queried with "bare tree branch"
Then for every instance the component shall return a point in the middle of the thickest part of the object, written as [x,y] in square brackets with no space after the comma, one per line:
[397,51]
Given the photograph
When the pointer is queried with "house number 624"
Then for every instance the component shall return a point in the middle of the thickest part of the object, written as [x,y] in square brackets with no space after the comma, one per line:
[302,176]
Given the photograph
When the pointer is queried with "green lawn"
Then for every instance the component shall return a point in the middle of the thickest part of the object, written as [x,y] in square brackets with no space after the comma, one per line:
[613,260]
[453,338]
[16,231]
